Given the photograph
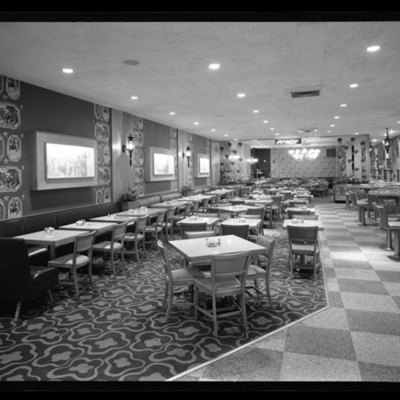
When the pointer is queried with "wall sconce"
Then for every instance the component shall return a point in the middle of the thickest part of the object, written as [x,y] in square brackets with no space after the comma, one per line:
[187,153]
[386,142]
[130,146]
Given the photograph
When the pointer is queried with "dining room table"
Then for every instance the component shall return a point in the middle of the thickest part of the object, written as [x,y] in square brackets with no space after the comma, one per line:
[203,249]
[115,219]
[99,227]
[51,238]
[304,222]
[210,221]
[252,223]
[235,209]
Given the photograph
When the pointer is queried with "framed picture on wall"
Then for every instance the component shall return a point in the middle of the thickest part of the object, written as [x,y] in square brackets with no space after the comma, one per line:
[162,164]
[202,165]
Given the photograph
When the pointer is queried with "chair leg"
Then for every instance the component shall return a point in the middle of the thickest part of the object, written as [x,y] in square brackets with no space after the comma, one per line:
[113,265]
[267,291]
[17,311]
[170,300]
[90,274]
[51,299]
[75,279]
[196,302]
[243,308]
[137,252]
[214,316]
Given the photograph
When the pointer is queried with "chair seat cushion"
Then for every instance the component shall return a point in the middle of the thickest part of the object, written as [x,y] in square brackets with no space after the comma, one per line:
[130,237]
[67,260]
[302,248]
[255,270]
[222,285]
[182,276]
[106,246]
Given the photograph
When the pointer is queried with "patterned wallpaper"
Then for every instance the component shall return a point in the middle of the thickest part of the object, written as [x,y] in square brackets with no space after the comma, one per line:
[237,168]
[283,165]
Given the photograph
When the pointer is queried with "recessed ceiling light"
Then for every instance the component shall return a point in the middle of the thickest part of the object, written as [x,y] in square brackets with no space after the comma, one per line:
[336,117]
[256,111]
[68,70]
[214,66]
[353,85]
[213,130]
[356,133]
[276,134]
[272,129]
[226,134]
[343,105]
[329,131]
[374,140]
[265,122]
[172,113]
[398,122]
[235,139]
[195,123]
[372,49]
[134,97]
[332,125]
[241,95]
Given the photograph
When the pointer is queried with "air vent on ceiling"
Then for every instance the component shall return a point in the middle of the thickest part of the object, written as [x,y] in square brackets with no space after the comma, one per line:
[307,93]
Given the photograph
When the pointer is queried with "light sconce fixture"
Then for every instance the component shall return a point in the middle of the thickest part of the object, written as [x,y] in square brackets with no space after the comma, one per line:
[130,146]
[187,153]
[386,142]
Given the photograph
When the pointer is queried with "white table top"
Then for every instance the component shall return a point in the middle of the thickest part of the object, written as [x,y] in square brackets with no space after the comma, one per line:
[58,237]
[200,220]
[253,223]
[171,203]
[99,227]
[114,218]
[237,208]
[136,213]
[306,223]
[197,250]
[296,209]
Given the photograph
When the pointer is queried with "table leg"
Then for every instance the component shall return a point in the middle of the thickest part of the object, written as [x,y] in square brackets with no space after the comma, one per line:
[52,251]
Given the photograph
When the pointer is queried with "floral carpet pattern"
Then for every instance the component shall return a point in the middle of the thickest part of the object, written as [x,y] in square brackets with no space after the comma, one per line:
[118,331]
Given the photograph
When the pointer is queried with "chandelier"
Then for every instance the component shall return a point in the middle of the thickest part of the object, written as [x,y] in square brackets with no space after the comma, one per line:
[302,154]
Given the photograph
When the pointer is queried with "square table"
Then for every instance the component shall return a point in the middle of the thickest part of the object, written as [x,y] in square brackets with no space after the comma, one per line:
[300,209]
[99,227]
[306,222]
[241,208]
[115,219]
[253,223]
[196,250]
[57,238]
[151,212]
[211,221]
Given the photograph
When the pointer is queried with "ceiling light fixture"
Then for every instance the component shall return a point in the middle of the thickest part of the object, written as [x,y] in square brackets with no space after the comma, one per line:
[265,122]
[343,105]
[214,66]
[129,146]
[68,70]
[195,123]
[256,111]
[241,95]
[353,85]
[336,117]
[373,49]
[134,97]
[172,113]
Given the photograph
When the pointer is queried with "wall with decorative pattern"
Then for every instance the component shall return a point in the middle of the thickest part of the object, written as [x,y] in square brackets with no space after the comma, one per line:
[283,165]
[26,108]
[234,167]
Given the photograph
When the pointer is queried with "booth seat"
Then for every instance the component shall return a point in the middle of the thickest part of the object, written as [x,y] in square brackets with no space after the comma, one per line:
[170,196]
[147,201]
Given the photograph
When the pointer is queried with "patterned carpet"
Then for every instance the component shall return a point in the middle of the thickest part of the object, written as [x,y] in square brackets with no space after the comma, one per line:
[118,331]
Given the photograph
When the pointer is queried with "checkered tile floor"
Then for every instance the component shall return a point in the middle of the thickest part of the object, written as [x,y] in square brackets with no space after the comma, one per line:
[356,338]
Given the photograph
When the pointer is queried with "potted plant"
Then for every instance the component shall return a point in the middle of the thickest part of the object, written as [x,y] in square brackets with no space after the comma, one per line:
[128,198]
[186,191]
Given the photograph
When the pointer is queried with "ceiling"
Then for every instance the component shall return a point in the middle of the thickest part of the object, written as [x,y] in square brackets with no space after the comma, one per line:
[262,59]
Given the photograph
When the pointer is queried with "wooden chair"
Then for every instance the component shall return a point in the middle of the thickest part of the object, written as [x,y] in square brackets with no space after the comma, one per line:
[180,279]
[114,246]
[303,243]
[297,213]
[156,228]
[137,237]
[19,280]
[240,230]
[168,224]
[192,226]
[79,258]
[260,269]
[227,279]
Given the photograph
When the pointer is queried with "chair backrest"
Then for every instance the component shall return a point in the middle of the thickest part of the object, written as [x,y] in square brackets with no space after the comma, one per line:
[15,276]
[230,265]
[353,197]
[118,233]
[269,245]
[237,202]
[84,242]
[256,211]
[170,213]
[391,206]
[210,215]
[240,230]
[199,234]
[191,226]
[160,217]
[195,206]
[276,200]
[165,261]
[224,214]
[361,194]
[302,234]
[140,225]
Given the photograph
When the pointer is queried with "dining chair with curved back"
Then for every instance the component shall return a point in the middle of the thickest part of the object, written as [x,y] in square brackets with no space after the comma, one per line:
[226,279]
[79,258]
[303,243]
[137,237]
[204,205]
[168,223]
[199,234]
[192,226]
[240,230]
[291,213]
[19,280]
[114,246]
[260,269]
[155,229]
[179,278]
[385,223]
[391,206]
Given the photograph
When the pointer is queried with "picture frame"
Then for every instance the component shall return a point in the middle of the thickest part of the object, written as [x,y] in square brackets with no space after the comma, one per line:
[161,164]
[75,166]
[202,166]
